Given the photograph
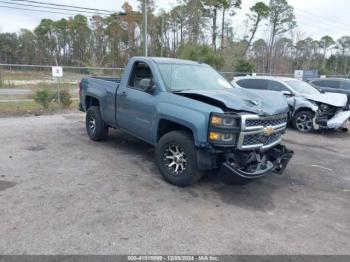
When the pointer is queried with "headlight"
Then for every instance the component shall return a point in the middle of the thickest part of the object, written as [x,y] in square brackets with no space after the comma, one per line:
[225,121]
[223,129]
[324,107]
[222,137]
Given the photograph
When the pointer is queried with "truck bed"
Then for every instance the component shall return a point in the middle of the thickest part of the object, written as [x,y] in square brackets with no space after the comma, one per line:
[106,78]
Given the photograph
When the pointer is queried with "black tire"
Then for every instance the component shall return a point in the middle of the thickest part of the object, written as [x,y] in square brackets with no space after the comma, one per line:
[303,121]
[177,141]
[96,128]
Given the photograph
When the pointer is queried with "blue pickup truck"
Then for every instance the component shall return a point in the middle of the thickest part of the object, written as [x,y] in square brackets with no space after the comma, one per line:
[194,117]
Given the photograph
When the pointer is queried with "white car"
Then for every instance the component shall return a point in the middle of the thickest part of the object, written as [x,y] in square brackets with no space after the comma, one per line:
[310,109]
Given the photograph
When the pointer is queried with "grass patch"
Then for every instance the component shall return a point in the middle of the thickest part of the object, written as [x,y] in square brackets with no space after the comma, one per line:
[30,107]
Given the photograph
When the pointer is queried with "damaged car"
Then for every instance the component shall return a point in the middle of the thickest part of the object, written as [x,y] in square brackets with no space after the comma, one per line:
[196,120]
[310,109]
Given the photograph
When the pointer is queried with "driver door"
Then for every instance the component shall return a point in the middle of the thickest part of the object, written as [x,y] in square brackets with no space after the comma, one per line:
[136,108]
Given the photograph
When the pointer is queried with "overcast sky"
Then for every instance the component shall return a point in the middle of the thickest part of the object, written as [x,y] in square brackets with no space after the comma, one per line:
[315,18]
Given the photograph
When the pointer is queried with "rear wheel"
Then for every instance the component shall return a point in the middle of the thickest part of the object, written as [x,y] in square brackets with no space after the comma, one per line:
[176,158]
[303,121]
[96,128]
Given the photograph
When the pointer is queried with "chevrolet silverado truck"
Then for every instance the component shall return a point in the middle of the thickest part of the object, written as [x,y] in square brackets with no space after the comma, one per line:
[194,117]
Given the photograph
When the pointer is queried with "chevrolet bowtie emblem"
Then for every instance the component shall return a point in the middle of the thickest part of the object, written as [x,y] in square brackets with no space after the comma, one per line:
[268,131]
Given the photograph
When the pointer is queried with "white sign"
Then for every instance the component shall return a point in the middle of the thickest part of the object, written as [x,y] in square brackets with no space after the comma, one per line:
[253,74]
[57,71]
[298,74]
[322,76]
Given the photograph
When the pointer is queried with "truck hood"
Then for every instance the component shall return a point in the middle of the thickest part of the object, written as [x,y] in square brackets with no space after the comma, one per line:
[333,99]
[240,99]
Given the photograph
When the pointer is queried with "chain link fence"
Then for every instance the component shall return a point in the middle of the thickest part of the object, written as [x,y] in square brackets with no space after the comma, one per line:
[32,76]
[18,82]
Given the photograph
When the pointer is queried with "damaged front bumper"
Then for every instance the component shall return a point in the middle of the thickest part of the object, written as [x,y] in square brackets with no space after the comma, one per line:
[257,164]
[339,120]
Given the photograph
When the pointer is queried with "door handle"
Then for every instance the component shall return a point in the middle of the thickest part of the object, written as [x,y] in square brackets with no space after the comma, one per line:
[122,94]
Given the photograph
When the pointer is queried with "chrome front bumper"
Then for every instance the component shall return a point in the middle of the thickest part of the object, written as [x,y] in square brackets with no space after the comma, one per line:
[339,120]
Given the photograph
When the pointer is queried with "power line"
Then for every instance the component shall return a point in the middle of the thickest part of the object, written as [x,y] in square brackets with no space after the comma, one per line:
[320,17]
[76,12]
[46,7]
[36,10]
[322,21]
[70,6]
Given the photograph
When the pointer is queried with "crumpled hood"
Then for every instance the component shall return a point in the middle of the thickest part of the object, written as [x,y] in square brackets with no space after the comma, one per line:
[334,99]
[240,99]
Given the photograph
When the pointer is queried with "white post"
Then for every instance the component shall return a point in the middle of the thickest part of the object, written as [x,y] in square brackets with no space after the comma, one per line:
[145,27]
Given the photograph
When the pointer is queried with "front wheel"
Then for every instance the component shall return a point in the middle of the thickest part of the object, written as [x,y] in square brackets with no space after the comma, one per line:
[176,158]
[303,121]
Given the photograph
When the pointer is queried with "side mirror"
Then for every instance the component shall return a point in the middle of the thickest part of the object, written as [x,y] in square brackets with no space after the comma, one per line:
[147,85]
[287,93]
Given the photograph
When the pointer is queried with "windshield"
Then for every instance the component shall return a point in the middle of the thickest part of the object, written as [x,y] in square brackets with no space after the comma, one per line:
[302,87]
[178,77]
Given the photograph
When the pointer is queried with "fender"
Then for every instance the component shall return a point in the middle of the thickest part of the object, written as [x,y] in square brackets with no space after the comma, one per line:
[196,121]
[298,103]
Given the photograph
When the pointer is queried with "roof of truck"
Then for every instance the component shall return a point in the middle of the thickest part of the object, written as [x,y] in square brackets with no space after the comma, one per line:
[167,60]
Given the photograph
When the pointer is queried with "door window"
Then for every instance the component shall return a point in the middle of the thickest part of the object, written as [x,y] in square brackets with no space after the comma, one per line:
[345,85]
[253,83]
[326,83]
[140,71]
[276,86]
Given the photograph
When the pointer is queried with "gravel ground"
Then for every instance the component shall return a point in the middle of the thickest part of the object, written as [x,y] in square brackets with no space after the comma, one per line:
[61,193]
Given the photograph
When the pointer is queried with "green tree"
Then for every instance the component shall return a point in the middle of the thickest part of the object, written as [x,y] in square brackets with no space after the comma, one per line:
[259,11]
[281,19]
[325,43]
[200,53]
[27,48]
[8,47]
[80,33]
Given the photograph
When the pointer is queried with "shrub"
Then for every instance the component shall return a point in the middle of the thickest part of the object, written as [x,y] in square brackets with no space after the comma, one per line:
[43,97]
[244,67]
[65,98]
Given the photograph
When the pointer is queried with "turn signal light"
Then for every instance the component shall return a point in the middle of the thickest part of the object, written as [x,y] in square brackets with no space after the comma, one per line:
[214,136]
[215,120]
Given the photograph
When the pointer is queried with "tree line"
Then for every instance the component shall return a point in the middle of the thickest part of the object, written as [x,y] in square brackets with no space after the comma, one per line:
[193,29]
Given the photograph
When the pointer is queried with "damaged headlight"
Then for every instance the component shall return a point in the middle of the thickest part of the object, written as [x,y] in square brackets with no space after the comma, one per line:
[324,107]
[223,129]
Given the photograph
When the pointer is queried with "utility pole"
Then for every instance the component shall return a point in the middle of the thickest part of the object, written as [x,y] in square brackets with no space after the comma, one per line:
[162,37]
[145,27]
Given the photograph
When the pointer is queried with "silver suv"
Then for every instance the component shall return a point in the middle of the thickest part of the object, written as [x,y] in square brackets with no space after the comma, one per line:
[310,109]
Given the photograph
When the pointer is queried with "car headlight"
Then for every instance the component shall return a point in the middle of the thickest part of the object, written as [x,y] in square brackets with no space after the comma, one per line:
[225,121]
[223,129]
[324,107]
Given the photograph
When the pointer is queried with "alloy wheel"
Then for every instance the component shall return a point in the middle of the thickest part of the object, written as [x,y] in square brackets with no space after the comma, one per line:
[175,159]
[304,123]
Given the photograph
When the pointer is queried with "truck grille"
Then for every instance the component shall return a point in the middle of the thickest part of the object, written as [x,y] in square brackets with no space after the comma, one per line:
[261,132]
[267,121]
[261,139]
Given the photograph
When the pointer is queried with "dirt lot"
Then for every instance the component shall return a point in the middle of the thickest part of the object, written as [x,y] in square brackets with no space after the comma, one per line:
[61,193]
